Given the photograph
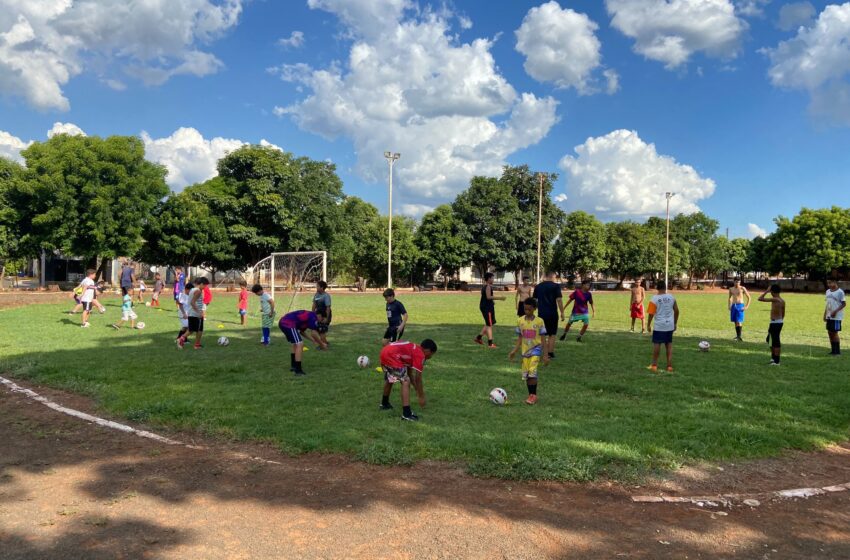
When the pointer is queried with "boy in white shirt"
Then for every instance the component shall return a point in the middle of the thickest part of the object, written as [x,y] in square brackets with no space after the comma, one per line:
[87,297]
[833,315]
[665,311]
[183,313]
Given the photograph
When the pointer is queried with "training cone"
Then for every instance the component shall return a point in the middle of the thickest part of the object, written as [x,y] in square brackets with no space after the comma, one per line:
[221,326]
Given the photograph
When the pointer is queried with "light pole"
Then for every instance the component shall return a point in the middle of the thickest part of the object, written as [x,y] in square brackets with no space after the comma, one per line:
[668,196]
[391,159]
[539,223]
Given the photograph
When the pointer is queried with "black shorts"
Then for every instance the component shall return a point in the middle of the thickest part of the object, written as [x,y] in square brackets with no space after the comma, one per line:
[393,334]
[196,324]
[489,317]
[833,325]
[551,324]
[86,305]
[773,335]
[662,337]
[520,309]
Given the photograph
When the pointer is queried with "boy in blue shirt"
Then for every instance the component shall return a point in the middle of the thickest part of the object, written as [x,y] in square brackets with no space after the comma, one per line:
[396,317]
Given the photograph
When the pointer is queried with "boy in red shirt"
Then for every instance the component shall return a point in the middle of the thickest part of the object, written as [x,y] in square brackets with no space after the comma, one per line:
[243,302]
[403,362]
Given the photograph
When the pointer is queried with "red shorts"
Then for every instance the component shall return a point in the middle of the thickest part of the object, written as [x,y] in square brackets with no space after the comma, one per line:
[637,311]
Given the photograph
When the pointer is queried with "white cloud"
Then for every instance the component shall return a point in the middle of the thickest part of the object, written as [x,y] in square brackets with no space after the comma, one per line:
[11,146]
[415,210]
[755,231]
[792,16]
[670,31]
[612,79]
[620,175]
[751,8]
[414,88]
[560,46]
[295,40]
[43,44]
[188,156]
[65,128]
[561,198]
[817,60]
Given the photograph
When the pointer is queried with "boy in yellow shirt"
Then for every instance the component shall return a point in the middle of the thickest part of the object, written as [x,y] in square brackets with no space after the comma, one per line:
[530,332]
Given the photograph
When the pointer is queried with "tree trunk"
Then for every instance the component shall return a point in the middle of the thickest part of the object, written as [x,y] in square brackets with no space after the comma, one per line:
[2,275]
[101,270]
[445,282]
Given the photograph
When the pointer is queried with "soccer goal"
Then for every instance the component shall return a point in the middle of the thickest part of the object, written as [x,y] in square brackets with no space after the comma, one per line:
[288,275]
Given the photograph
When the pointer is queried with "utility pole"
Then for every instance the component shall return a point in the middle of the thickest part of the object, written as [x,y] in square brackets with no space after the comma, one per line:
[391,159]
[539,223]
[668,196]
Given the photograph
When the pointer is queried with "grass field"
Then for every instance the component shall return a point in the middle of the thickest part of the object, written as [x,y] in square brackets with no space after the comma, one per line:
[600,414]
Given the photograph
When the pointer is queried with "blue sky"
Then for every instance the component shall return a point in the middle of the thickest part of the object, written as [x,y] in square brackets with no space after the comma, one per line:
[742,107]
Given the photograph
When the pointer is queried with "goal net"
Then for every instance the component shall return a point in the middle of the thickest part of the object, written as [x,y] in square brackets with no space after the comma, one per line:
[290,278]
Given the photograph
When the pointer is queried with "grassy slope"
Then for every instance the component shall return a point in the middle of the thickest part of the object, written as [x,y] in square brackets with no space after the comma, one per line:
[600,412]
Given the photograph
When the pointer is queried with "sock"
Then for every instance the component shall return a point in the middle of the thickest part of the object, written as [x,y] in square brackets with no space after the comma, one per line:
[490,341]
[776,358]
[298,366]
[292,360]
[738,331]
[478,337]
[532,389]
[267,332]
[385,400]
[838,347]
[407,411]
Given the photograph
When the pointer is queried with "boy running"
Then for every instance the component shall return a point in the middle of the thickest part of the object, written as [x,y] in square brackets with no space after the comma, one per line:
[158,286]
[243,302]
[530,332]
[266,312]
[523,292]
[636,305]
[664,309]
[89,289]
[396,317]
[142,289]
[550,305]
[183,313]
[581,298]
[833,315]
[322,309]
[294,325]
[403,362]
[196,313]
[777,318]
[737,293]
[487,305]
[127,313]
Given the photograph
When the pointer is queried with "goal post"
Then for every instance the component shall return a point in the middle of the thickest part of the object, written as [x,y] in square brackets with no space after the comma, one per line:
[290,272]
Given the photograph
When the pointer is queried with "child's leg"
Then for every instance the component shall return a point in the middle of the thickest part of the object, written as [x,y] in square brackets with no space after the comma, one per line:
[669,347]
[656,349]
[531,385]
[297,353]
[405,396]
[385,397]
[642,325]
[489,334]
[244,318]
[583,329]
[633,323]
[198,336]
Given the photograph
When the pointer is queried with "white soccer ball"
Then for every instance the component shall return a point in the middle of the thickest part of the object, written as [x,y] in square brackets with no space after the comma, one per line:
[704,345]
[147,304]
[498,396]
[140,325]
[223,341]
[363,361]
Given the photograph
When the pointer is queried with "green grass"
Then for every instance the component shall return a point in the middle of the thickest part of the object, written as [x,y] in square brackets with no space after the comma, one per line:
[601,414]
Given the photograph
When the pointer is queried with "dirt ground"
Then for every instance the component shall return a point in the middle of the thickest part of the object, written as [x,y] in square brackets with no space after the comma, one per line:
[70,489]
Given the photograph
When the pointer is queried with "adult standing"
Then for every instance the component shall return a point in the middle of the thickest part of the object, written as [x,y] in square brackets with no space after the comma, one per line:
[550,305]
[128,277]
[737,293]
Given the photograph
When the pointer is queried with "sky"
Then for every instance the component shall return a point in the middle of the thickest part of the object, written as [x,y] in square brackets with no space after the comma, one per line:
[740,107]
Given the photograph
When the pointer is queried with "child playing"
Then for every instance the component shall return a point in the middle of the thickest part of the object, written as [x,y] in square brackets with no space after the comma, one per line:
[196,311]
[833,314]
[322,309]
[581,299]
[777,318]
[487,306]
[89,290]
[158,286]
[396,317]
[179,283]
[127,313]
[266,312]
[183,313]
[636,305]
[403,362]
[78,291]
[530,332]
[294,325]
[243,302]
[142,289]
[664,309]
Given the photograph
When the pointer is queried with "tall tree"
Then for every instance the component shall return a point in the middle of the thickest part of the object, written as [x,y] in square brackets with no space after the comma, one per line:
[443,242]
[9,235]
[345,252]
[87,196]
[371,253]
[698,233]
[490,212]
[581,247]
[815,242]
[632,250]
[737,255]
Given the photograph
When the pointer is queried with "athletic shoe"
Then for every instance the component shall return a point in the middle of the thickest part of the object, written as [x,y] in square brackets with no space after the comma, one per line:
[479,341]
[411,418]
[102,311]
[653,369]
[300,373]
[181,342]
[196,347]
[669,369]
[551,355]
[85,325]
[116,327]
[578,339]
[492,346]
[532,399]
[383,406]
[773,364]
[563,336]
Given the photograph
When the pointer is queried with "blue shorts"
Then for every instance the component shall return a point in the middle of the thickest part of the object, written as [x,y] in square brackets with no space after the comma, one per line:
[736,313]
[833,325]
[293,336]
[662,337]
[243,312]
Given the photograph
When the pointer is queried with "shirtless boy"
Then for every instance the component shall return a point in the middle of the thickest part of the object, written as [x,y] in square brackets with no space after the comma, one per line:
[523,292]
[777,318]
[636,305]
[737,293]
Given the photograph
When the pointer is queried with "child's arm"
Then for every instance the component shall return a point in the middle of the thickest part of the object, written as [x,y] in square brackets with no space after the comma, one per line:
[592,309]
[271,305]
[764,297]
[419,386]
[403,322]
[516,348]
[675,315]
[317,340]
[748,296]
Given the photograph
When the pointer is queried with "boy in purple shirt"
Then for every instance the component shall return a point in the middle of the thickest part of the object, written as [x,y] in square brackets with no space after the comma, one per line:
[581,299]
[294,325]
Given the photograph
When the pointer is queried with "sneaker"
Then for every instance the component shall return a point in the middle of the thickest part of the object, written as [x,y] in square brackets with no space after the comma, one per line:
[563,336]
[102,311]
[479,341]
[181,342]
[669,369]
[383,406]
[578,339]
[411,418]
[532,399]
[116,327]
[551,355]
[85,325]
[773,364]
[300,373]
[653,369]
[492,346]
[197,347]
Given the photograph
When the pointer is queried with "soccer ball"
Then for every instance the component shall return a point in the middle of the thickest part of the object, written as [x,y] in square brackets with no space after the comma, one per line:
[140,325]
[223,341]
[147,304]
[363,361]
[498,396]
[704,346]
